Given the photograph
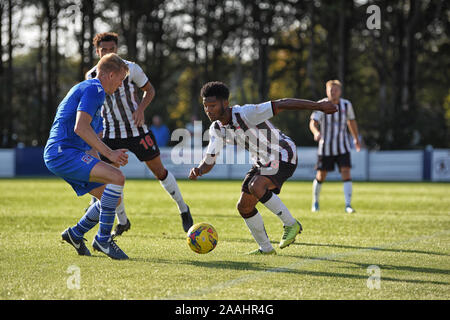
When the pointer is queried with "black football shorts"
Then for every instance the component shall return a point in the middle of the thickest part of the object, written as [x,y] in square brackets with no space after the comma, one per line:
[327,163]
[143,146]
[284,171]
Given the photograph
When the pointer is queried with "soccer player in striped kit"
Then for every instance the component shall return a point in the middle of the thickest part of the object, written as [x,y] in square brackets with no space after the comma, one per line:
[274,155]
[124,127]
[330,130]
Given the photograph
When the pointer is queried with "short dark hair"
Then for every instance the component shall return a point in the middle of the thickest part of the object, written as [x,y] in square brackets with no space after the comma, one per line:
[105,36]
[215,89]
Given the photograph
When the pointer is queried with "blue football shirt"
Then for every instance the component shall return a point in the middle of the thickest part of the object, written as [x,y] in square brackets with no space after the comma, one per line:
[87,96]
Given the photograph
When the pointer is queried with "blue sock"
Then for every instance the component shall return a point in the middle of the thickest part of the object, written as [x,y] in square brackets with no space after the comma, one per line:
[87,222]
[108,204]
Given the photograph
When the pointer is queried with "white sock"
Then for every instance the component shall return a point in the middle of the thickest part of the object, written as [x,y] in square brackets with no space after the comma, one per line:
[348,188]
[275,205]
[120,212]
[256,226]
[170,185]
[317,186]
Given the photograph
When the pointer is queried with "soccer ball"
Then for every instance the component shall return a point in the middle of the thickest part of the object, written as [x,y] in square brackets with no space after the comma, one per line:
[202,237]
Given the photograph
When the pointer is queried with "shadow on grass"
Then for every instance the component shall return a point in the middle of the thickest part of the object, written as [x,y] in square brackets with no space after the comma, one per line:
[290,269]
[368,248]
[356,276]
[216,264]
[364,266]
[342,246]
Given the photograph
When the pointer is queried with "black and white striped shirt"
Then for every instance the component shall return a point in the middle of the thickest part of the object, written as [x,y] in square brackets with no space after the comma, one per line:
[251,129]
[118,108]
[333,129]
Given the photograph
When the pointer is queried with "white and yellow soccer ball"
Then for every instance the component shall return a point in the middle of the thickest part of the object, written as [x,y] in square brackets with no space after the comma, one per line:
[202,238]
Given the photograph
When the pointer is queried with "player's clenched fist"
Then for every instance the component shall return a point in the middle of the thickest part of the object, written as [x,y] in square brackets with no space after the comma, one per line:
[327,107]
[195,173]
[317,136]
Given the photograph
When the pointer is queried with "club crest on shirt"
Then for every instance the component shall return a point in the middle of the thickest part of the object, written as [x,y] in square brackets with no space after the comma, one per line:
[87,159]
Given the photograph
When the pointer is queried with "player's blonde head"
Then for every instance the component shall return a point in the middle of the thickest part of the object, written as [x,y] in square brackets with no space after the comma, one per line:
[333,82]
[112,63]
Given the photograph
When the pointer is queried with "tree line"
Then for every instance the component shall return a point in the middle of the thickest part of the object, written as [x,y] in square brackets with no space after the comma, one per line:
[396,75]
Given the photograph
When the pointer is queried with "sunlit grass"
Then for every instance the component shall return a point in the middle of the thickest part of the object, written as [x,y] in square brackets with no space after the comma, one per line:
[402,228]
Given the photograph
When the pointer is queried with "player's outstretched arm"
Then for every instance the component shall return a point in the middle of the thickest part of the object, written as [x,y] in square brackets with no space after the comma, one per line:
[205,166]
[301,104]
[84,130]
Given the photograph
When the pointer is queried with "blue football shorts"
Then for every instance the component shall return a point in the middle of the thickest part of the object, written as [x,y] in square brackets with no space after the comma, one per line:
[74,166]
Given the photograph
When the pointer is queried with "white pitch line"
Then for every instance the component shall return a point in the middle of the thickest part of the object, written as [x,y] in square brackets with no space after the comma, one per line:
[296,265]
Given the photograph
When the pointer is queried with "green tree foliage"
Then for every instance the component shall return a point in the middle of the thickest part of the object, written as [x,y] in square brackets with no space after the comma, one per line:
[395,76]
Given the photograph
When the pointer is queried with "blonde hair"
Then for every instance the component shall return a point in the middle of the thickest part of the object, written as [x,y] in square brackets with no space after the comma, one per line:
[111,62]
[333,82]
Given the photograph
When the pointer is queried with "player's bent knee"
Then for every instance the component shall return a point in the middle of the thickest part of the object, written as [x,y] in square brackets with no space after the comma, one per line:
[321,175]
[121,179]
[107,174]
[242,207]
[247,213]
[118,178]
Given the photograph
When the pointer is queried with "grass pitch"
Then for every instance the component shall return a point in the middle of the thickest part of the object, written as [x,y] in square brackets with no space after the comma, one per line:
[397,245]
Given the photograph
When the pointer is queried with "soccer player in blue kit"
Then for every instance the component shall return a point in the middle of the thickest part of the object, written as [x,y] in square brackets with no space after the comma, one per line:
[72,151]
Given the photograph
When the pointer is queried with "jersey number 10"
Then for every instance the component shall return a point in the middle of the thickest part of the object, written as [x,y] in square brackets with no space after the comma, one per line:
[147,142]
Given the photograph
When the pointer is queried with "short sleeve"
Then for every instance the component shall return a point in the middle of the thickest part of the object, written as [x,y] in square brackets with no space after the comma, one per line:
[257,113]
[350,111]
[316,115]
[91,99]
[216,142]
[137,75]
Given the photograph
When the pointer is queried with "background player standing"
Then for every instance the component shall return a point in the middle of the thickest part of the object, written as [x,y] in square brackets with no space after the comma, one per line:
[124,127]
[330,130]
